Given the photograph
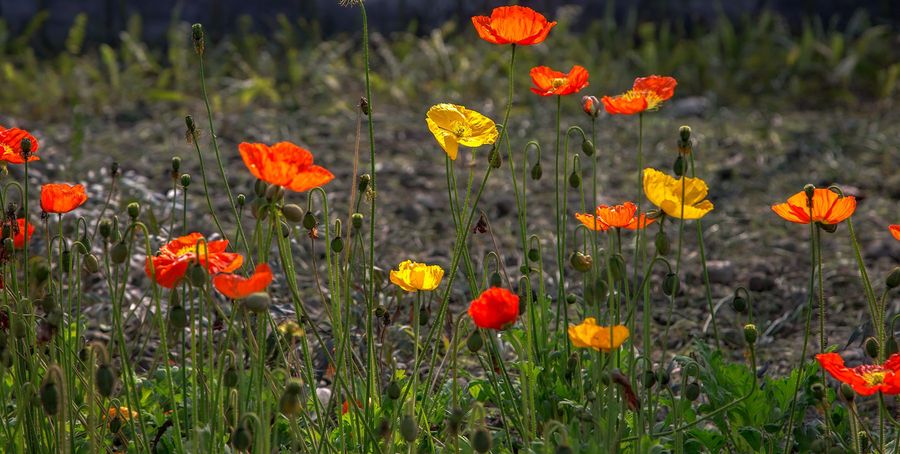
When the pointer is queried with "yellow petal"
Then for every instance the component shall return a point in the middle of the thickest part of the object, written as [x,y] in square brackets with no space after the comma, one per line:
[609,338]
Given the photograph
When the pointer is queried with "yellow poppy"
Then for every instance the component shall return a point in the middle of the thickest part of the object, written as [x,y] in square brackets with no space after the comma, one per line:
[666,193]
[590,335]
[454,125]
[412,276]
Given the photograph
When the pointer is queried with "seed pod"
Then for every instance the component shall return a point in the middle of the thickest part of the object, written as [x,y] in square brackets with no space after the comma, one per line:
[185,180]
[289,404]
[178,317]
[678,167]
[810,190]
[617,266]
[91,264]
[134,210]
[230,377]
[692,391]
[49,394]
[356,221]
[481,440]
[534,255]
[393,390]
[337,244]
[574,180]
[197,275]
[309,221]
[409,430]
[581,262]
[537,171]
[684,132]
[496,280]
[662,243]
[871,345]
[494,158]
[292,212]
[258,302]
[587,147]
[670,284]
[474,342]
[105,380]
[750,333]
[119,253]
[893,279]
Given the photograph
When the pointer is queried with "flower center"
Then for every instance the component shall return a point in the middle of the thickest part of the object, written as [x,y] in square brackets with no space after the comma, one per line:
[460,129]
[200,249]
[558,82]
[872,374]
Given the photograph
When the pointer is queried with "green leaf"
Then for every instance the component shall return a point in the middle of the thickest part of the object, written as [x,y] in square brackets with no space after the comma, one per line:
[752,436]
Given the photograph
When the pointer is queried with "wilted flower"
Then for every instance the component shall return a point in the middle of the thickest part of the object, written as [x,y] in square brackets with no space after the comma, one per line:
[548,82]
[827,207]
[647,93]
[412,276]
[237,287]
[602,338]
[866,379]
[62,197]
[666,193]
[11,146]
[284,164]
[496,308]
[171,263]
[513,25]
[454,125]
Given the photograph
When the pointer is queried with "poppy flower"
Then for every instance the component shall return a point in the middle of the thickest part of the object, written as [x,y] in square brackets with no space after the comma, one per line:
[513,25]
[647,93]
[827,207]
[454,125]
[866,379]
[592,222]
[496,308]
[412,276]
[173,259]
[284,164]
[666,193]
[237,287]
[895,231]
[622,216]
[548,82]
[62,197]
[22,235]
[589,334]
[11,145]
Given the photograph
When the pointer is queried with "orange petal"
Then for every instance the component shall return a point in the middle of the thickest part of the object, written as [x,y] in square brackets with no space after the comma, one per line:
[237,287]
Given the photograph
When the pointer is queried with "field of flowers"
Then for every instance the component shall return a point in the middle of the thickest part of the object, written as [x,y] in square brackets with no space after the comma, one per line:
[553,293]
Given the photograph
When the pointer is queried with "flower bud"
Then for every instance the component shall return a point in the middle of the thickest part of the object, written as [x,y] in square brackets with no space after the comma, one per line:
[356,221]
[364,181]
[241,200]
[692,391]
[197,275]
[285,230]
[105,228]
[364,106]
[587,147]
[872,347]
[891,347]
[810,190]
[9,245]
[91,264]
[571,299]
[481,440]
[847,392]
[178,317]
[260,209]
[830,228]
[185,180]
[274,192]
[534,255]
[26,144]
[337,244]
[750,333]
[134,210]
[65,261]
[537,172]
[230,377]
[817,390]
[474,342]
[393,390]
[495,280]
[575,180]
[662,377]
[893,278]
[79,247]
[494,158]
[581,262]
[119,253]
[259,188]
[670,284]
[241,438]
[289,404]
[739,304]
[617,266]
[258,302]
[590,105]
[176,163]
[679,166]
[684,133]
[409,430]
[648,379]
[198,39]
[563,449]
[309,221]
[105,380]
[50,398]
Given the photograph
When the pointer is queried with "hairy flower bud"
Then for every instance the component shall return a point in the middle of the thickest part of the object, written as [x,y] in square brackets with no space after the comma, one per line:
[482,440]
[409,429]
[134,210]
[684,133]
[91,264]
[309,221]
[258,302]
[185,180]
[587,147]
[198,38]
[662,243]
[474,342]
[176,164]
[847,392]
[670,284]
[581,262]
[537,171]
[893,278]
[692,391]
[750,333]
[575,180]
[356,221]
[119,253]
[105,379]
[872,347]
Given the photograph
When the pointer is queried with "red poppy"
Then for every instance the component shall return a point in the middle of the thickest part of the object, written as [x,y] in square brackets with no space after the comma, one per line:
[237,287]
[284,164]
[827,207]
[647,93]
[62,197]
[173,259]
[496,308]
[11,145]
[22,235]
[866,379]
[895,231]
[548,82]
[622,216]
[513,25]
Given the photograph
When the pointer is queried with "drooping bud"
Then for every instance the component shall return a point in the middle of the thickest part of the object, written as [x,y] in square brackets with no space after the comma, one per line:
[258,302]
[197,275]
[91,264]
[119,253]
[575,180]
[455,420]
[670,284]
[750,333]
[537,171]
[692,391]
[309,221]
[337,244]
[230,377]
[65,260]
[49,392]
[474,342]
[739,304]
[587,147]
[105,379]
[290,404]
[533,254]
[872,348]
[648,379]
[893,278]
[409,430]
[178,317]
[581,262]
[198,38]
[482,440]
[496,280]
[590,105]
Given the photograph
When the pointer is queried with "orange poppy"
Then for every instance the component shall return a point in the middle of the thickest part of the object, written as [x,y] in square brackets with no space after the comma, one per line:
[895,231]
[866,379]
[592,222]
[11,145]
[623,216]
[496,308]
[647,93]
[284,164]
[62,197]
[513,25]
[173,259]
[237,287]
[827,207]
[548,82]
[21,235]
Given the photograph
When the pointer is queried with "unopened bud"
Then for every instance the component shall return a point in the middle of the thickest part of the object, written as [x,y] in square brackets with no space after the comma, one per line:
[893,278]
[309,221]
[810,190]
[817,390]
[290,404]
[575,180]
[197,275]
[91,264]
[750,333]
[590,105]
[356,221]
[587,147]
[26,145]
[65,261]
[670,284]
[679,166]
[119,253]
[536,172]
[274,192]
[178,317]
[662,243]
[494,158]
[364,106]
[617,266]
[364,181]
[692,391]
[482,440]
[847,392]
[474,342]
[176,164]
[50,398]
[409,430]
[258,302]
[684,133]
[185,180]
[105,228]
[393,390]
[198,38]
[872,347]
[581,262]
[105,380]
[534,255]
[337,244]
[739,304]
[259,188]
[495,280]
[648,379]
[241,200]
[134,210]
[242,438]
